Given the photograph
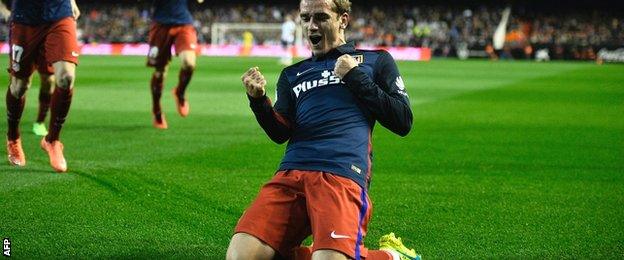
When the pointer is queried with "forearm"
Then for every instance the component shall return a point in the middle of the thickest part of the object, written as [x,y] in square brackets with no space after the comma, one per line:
[275,125]
[392,111]
[75,9]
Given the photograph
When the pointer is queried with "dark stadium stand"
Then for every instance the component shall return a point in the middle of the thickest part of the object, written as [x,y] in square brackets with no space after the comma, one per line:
[576,30]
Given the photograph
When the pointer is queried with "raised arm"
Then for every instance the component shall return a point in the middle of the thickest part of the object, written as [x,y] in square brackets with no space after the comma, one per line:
[75,10]
[385,95]
[275,120]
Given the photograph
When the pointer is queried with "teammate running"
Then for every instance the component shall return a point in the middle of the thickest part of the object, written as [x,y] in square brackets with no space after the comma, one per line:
[172,26]
[46,78]
[41,30]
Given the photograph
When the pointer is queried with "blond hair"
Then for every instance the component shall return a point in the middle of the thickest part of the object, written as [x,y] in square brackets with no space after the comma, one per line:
[342,6]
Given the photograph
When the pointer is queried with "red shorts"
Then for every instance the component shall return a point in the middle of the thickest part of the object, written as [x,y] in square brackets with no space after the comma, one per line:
[44,67]
[162,37]
[42,45]
[296,204]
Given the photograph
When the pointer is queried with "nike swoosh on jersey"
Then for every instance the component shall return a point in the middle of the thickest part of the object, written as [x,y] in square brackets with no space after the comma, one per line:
[302,72]
[335,236]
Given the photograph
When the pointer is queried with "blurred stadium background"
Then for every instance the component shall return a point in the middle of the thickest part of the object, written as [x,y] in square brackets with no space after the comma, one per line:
[519,159]
[576,30]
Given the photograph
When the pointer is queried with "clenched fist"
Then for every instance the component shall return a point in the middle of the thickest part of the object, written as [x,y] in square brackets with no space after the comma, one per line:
[344,64]
[254,82]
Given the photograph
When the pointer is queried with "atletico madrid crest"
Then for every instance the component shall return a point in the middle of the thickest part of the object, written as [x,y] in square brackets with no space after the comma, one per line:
[359,58]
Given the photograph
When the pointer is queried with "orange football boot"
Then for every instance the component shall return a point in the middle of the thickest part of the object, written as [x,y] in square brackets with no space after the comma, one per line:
[16,153]
[55,152]
[162,123]
[184,107]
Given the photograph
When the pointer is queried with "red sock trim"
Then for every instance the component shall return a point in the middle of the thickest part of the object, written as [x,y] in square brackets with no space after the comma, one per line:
[156,87]
[15,108]
[59,108]
[44,105]
[184,78]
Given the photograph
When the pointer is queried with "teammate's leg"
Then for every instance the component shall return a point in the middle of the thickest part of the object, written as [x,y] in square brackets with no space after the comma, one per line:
[158,57]
[156,88]
[186,47]
[246,246]
[62,51]
[25,43]
[65,74]
[45,95]
[15,101]
[188,59]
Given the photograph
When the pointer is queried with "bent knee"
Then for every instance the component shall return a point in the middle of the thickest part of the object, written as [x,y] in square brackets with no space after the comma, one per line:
[50,80]
[238,255]
[245,246]
[188,65]
[238,252]
[18,87]
[188,60]
[65,80]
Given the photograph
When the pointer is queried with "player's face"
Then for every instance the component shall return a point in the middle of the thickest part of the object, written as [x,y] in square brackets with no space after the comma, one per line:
[324,28]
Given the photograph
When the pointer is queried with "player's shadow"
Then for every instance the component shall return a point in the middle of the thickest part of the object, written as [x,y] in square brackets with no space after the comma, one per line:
[111,128]
[100,181]
[25,170]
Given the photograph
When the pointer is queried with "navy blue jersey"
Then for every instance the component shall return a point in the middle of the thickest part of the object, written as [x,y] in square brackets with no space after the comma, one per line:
[35,12]
[172,12]
[328,122]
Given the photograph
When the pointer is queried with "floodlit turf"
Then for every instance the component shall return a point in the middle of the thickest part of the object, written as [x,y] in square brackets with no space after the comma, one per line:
[505,159]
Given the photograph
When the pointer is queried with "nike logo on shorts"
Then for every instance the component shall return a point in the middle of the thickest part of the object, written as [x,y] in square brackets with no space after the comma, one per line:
[335,236]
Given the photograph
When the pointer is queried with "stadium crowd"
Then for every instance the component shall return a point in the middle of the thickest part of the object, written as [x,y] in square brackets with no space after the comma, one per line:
[444,29]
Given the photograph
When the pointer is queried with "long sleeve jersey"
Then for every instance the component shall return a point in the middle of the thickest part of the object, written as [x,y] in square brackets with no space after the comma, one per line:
[327,121]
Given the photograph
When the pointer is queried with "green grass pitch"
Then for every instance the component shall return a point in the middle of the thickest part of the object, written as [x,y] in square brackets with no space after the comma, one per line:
[505,159]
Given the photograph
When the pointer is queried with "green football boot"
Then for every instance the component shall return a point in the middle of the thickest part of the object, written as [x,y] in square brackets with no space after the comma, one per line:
[40,129]
[391,243]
